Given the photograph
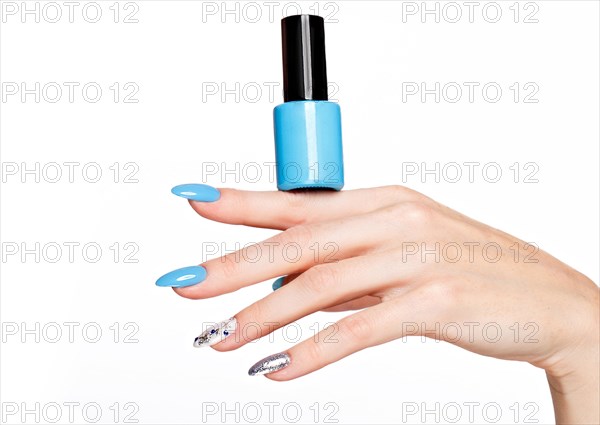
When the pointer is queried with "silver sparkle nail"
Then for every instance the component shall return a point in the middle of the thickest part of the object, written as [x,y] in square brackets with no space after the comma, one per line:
[270,364]
[216,333]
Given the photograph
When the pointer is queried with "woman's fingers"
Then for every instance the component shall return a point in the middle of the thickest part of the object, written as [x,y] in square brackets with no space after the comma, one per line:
[367,328]
[282,210]
[414,310]
[320,287]
[373,326]
[292,251]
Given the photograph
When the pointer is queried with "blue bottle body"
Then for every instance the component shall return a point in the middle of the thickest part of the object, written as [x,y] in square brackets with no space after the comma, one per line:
[308,145]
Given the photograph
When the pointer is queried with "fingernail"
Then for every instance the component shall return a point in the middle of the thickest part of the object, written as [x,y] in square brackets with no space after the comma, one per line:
[216,333]
[197,192]
[181,278]
[278,283]
[270,364]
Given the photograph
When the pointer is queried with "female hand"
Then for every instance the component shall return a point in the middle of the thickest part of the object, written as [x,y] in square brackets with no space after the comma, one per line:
[413,267]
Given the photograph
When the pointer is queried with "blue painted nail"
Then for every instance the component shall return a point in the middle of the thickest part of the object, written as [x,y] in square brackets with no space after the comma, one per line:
[278,283]
[181,278]
[197,192]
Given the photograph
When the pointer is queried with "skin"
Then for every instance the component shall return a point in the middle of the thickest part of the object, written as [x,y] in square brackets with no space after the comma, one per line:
[371,265]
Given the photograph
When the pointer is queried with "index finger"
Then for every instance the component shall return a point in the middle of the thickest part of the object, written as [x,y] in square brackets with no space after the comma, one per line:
[282,210]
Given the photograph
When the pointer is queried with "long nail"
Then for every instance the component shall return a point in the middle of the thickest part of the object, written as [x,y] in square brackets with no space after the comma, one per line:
[270,364]
[216,333]
[180,278]
[278,283]
[197,192]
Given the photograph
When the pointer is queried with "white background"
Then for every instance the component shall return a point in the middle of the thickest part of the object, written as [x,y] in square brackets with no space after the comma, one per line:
[172,55]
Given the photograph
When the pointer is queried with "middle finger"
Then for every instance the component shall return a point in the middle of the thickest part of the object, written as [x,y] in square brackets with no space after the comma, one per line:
[292,251]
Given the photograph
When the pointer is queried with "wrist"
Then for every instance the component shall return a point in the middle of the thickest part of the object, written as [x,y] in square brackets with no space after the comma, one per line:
[575,398]
[575,379]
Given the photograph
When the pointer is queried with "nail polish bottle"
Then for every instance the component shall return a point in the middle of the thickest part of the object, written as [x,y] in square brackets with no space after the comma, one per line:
[308,131]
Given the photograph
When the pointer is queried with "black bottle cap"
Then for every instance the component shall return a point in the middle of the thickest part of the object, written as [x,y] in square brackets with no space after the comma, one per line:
[304,67]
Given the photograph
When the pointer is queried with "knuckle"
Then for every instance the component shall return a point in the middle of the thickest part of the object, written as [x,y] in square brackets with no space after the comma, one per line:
[296,199]
[252,330]
[416,212]
[314,351]
[320,279]
[301,235]
[297,205]
[411,212]
[355,328]
[395,192]
[443,293]
[256,315]
[229,265]
[400,193]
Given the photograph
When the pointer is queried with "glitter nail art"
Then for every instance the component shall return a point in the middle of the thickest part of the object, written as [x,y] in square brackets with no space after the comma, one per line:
[216,333]
[270,364]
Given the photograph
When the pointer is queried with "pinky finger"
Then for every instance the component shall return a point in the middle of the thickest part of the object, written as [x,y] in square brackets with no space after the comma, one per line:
[373,326]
